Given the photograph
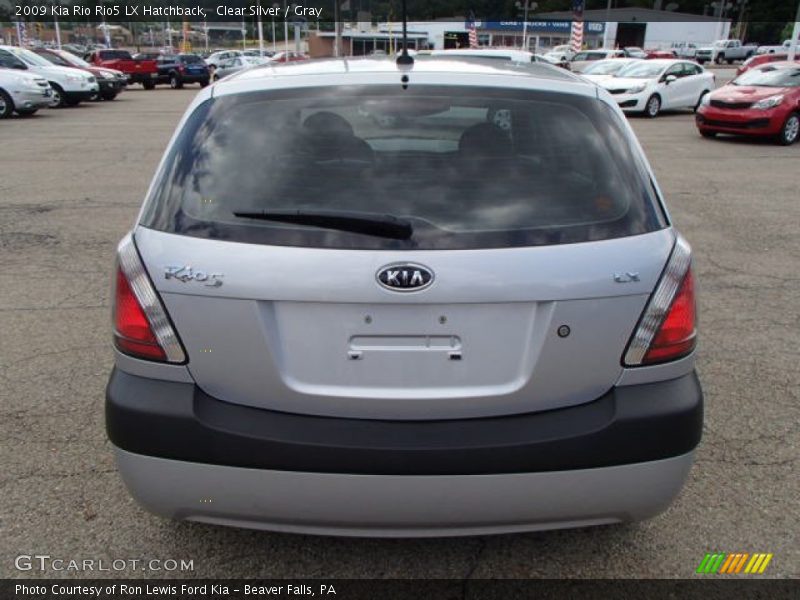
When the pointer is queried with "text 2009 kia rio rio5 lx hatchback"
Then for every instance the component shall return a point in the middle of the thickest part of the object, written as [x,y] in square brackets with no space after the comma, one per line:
[365,298]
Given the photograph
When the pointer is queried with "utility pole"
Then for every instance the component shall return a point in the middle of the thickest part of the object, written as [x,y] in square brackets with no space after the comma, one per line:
[260,32]
[795,35]
[285,28]
[337,42]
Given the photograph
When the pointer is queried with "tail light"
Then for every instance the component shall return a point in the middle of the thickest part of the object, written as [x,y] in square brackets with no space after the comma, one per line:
[667,330]
[141,325]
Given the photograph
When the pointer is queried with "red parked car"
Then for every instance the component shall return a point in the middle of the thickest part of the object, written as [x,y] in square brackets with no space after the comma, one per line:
[661,54]
[138,71]
[765,101]
[290,56]
[762,59]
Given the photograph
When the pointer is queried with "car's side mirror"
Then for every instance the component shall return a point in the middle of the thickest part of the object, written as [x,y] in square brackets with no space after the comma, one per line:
[669,79]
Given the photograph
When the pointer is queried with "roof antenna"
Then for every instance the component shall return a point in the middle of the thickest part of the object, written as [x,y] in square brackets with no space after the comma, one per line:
[405,59]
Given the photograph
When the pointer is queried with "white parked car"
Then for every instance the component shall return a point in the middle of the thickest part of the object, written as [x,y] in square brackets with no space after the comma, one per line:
[583,59]
[237,63]
[70,86]
[650,86]
[509,54]
[606,69]
[218,58]
[22,93]
[685,49]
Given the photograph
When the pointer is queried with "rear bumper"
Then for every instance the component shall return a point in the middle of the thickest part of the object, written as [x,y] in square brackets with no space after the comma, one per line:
[142,77]
[195,77]
[185,455]
[629,424]
[401,506]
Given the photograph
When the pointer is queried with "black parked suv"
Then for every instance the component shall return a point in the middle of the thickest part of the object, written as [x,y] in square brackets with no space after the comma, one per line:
[182,68]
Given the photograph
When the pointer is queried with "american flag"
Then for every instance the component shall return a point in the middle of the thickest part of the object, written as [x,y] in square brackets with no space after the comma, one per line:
[22,34]
[577,25]
[473,32]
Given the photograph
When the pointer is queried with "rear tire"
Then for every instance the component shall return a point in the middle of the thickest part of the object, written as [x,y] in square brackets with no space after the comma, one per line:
[720,58]
[203,83]
[653,106]
[6,105]
[109,96]
[175,82]
[149,85]
[790,130]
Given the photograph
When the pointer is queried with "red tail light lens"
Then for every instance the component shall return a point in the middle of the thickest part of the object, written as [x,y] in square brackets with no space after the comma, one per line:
[677,334]
[132,331]
[142,327]
[667,329]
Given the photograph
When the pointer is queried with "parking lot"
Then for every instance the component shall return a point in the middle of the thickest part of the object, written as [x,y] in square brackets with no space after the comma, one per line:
[71,185]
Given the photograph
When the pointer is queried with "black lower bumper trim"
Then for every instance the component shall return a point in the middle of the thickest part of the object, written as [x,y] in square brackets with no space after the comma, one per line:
[626,425]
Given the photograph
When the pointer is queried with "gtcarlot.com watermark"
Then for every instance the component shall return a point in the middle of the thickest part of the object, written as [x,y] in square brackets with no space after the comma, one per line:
[46,563]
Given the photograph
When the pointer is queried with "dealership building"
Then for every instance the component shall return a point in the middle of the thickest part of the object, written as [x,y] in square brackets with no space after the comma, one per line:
[616,27]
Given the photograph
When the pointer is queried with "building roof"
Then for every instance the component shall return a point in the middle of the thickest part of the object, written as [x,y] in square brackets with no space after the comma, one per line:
[624,15]
[373,35]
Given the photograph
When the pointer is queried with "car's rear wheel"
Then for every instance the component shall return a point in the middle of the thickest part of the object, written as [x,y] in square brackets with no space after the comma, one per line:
[175,82]
[149,85]
[95,97]
[6,105]
[790,130]
[653,106]
[203,83]
[720,58]
[109,95]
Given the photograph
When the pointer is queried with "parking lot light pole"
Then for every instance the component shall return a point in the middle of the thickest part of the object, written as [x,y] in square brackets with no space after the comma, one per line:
[285,29]
[260,32]
[795,35]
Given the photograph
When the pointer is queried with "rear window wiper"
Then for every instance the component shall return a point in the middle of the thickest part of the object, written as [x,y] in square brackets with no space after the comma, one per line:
[385,226]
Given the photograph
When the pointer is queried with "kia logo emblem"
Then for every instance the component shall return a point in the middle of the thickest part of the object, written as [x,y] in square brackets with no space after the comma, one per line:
[404,277]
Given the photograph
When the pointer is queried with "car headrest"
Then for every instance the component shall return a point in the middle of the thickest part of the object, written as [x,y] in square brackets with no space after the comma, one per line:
[485,140]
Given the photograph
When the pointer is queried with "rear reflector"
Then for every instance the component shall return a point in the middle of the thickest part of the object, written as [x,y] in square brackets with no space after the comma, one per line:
[667,329]
[141,325]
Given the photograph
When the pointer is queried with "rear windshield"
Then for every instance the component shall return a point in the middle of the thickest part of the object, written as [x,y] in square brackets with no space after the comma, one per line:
[466,167]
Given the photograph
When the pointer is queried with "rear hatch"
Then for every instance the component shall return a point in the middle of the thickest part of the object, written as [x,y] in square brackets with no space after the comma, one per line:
[453,252]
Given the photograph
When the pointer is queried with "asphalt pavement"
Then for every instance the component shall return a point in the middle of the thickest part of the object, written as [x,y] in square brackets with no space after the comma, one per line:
[71,183]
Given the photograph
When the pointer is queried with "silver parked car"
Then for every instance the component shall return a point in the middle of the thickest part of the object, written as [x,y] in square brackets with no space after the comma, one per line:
[229,66]
[353,304]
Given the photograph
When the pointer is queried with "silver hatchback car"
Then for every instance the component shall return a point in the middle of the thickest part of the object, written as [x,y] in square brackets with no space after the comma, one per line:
[364,298]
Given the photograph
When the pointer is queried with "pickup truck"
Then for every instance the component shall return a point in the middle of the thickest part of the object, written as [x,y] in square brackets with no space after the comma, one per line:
[783,49]
[725,51]
[138,71]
